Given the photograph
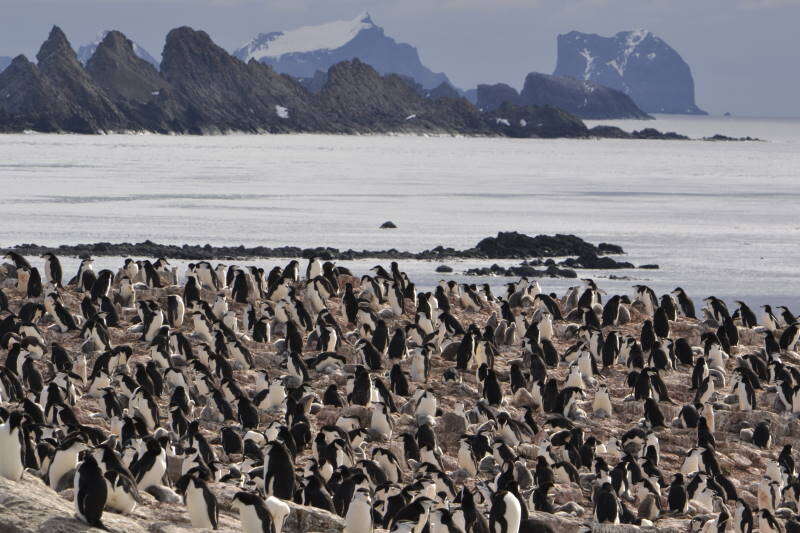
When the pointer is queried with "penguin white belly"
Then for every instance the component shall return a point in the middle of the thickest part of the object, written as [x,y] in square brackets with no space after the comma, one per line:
[380,424]
[418,368]
[466,461]
[278,510]
[513,513]
[198,510]
[427,405]
[119,500]
[359,518]
[249,519]
[155,474]
[63,462]
[602,403]
[10,454]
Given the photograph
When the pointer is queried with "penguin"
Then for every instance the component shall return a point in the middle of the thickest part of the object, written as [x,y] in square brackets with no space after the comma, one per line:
[767,523]
[685,304]
[601,406]
[52,270]
[199,500]
[175,310]
[677,496]
[747,316]
[34,284]
[65,459]
[761,435]
[789,337]
[278,471]
[606,509]
[743,517]
[359,517]
[91,492]
[12,447]
[253,513]
[769,320]
[505,514]
[149,469]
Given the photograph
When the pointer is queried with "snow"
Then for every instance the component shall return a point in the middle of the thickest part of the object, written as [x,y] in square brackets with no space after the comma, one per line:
[411,117]
[503,121]
[651,56]
[282,111]
[616,66]
[328,36]
[523,122]
[587,55]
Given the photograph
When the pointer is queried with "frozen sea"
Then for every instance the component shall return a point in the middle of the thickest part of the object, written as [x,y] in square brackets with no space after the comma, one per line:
[719,218]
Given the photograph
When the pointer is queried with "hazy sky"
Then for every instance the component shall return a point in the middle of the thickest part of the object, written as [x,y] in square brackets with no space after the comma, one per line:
[743,53]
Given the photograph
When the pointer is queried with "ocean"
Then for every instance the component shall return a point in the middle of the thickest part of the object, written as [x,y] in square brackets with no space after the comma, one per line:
[720,218]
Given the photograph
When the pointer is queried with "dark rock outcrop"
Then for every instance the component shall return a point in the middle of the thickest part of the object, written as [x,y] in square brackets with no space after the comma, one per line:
[507,245]
[86,51]
[221,93]
[523,270]
[532,121]
[444,90]
[613,132]
[126,78]
[512,244]
[579,97]
[360,99]
[637,63]
[93,110]
[584,99]
[591,260]
[490,97]
[29,101]
[360,38]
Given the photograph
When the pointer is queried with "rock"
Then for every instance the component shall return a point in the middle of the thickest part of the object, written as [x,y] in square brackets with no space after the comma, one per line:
[746,434]
[651,72]
[507,245]
[452,424]
[582,98]
[491,97]
[649,267]
[607,249]
[534,121]
[301,519]
[29,506]
[388,225]
[523,270]
[510,244]
[444,269]
[591,260]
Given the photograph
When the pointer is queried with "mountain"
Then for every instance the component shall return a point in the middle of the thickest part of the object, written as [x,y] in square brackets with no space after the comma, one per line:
[304,51]
[581,98]
[203,89]
[4,62]
[86,51]
[637,63]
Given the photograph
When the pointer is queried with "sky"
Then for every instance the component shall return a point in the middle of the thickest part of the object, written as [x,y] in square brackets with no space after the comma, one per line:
[743,53]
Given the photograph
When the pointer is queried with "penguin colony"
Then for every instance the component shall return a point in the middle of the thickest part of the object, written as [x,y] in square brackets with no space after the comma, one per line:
[343,394]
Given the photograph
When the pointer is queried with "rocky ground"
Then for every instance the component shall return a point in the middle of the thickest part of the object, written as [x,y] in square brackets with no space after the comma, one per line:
[31,506]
